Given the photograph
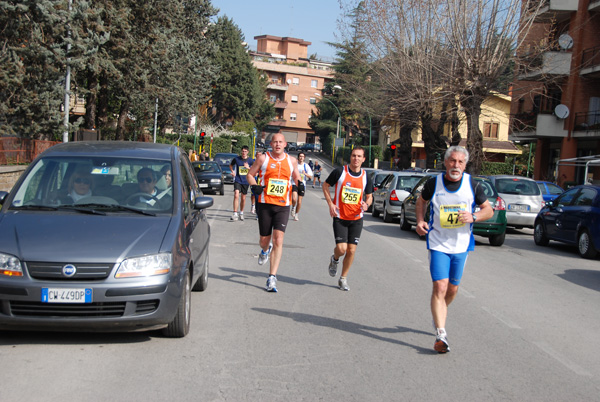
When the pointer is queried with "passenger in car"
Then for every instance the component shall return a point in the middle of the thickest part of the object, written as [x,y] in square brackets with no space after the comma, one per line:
[80,186]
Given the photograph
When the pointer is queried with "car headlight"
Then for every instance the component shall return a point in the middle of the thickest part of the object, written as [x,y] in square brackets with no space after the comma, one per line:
[10,265]
[157,264]
[216,181]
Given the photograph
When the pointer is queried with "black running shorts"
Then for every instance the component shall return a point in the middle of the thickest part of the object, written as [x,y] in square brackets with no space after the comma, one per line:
[242,188]
[271,217]
[347,231]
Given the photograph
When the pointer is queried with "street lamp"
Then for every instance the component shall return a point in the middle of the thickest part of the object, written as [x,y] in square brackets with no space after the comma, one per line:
[369,114]
[337,134]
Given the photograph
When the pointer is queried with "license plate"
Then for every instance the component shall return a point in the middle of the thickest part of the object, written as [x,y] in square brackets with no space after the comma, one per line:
[203,185]
[60,295]
[518,207]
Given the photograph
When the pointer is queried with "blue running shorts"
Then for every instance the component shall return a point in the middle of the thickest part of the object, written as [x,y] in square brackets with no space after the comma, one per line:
[447,266]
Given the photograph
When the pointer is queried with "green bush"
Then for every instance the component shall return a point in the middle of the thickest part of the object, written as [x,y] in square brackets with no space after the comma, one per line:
[493,168]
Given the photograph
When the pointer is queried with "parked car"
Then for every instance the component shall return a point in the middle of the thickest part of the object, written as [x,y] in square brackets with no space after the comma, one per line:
[210,176]
[388,198]
[224,161]
[291,146]
[306,147]
[81,250]
[523,199]
[549,190]
[572,218]
[494,228]
[378,177]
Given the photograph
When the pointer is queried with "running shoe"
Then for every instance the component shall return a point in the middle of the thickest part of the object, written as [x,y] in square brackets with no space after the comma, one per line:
[253,209]
[271,284]
[234,217]
[441,343]
[343,284]
[241,216]
[296,217]
[263,257]
[294,213]
[333,265]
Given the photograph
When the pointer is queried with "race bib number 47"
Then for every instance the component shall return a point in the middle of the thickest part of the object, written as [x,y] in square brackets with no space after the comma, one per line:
[449,216]
[351,195]
[277,187]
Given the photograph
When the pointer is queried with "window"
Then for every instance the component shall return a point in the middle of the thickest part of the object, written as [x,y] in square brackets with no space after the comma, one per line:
[296,81]
[313,83]
[313,101]
[490,130]
[293,116]
[295,98]
[273,98]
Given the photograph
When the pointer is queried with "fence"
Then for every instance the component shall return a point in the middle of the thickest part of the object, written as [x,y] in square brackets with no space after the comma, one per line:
[14,150]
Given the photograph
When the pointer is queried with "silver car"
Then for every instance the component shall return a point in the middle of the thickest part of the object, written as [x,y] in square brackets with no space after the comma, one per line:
[523,199]
[103,236]
[388,198]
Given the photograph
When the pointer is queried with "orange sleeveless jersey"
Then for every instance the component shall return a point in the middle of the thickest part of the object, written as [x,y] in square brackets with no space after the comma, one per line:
[348,196]
[275,176]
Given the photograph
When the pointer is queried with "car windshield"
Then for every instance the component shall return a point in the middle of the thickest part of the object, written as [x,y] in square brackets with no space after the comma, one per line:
[224,159]
[106,184]
[407,182]
[517,186]
[206,167]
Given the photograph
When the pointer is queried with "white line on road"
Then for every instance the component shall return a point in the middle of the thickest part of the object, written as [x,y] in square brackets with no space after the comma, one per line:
[503,320]
[563,360]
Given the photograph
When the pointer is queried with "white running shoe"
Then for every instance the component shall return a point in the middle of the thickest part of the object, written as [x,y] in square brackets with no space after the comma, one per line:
[253,209]
[296,217]
[333,266]
[294,213]
[441,342]
[271,284]
[242,216]
[343,284]
[234,217]
[263,256]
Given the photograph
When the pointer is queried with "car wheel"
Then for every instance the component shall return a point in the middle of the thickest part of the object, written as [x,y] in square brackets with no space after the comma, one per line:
[202,282]
[180,326]
[387,218]
[404,225]
[375,212]
[222,190]
[539,235]
[497,240]
[585,246]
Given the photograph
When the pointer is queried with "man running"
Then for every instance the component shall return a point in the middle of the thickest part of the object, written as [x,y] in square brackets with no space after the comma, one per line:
[305,171]
[452,199]
[317,174]
[273,200]
[346,209]
[239,169]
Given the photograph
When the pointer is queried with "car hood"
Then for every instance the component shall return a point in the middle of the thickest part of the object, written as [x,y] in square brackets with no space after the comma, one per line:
[73,237]
[211,175]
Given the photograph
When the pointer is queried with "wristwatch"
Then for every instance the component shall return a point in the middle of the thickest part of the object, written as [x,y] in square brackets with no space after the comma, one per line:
[474,217]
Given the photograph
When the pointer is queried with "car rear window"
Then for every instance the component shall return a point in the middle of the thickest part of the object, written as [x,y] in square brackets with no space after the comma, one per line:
[517,187]
[488,188]
[407,182]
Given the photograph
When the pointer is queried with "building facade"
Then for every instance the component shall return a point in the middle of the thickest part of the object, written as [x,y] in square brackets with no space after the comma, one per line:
[556,96]
[295,85]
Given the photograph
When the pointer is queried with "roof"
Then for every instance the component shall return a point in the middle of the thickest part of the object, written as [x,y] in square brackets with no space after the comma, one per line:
[127,149]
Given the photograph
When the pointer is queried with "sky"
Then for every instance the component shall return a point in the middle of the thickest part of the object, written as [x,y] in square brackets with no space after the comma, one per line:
[314,21]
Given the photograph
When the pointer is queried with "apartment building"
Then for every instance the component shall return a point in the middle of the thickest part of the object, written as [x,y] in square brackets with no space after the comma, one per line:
[295,85]
[556,97]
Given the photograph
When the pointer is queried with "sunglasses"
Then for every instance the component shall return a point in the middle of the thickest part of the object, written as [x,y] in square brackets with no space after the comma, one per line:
[146,180]
[80,180]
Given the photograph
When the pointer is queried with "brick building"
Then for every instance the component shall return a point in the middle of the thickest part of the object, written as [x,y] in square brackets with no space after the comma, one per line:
[295,84]
[556,98]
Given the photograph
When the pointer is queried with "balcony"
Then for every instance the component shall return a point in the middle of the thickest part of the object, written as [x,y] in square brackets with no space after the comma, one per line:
[277,122]
[280,104]
[531,125]
[550,65]
[590,62]
[277,86]
[556,10]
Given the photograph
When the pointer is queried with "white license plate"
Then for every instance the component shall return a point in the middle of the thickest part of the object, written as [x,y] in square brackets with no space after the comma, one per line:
[518,207]
[60,295]
[203,185]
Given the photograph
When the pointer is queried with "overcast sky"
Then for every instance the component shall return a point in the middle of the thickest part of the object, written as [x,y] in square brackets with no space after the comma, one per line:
[314,21]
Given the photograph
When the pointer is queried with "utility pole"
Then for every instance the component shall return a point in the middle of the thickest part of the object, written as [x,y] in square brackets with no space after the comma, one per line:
[68,81]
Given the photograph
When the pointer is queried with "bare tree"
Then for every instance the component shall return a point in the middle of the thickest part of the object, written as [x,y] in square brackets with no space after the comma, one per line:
[435,56]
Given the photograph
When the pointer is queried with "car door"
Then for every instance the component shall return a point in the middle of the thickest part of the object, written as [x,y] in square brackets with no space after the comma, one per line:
[379,195]
[555,215]
[194,220]
[410,202]
[576,213]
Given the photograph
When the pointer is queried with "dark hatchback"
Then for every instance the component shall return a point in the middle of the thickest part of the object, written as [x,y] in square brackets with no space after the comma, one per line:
[224,160]
[210,176]
[95,236]
[572,218]
[494,228]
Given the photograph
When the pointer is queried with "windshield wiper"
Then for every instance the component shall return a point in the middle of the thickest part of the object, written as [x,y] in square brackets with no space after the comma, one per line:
[35,208]
[130,209]
[84,208]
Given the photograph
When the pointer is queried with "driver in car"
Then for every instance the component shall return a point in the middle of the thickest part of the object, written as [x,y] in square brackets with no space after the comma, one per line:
[146,178]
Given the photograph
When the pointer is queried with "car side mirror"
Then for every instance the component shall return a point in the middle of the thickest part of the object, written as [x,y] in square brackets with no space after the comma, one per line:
[203,202]
[3,195]
[550,204]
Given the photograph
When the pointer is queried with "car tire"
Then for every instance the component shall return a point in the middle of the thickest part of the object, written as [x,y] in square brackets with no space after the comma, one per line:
[202,282]
[539,234]
[584,245]
[375,212]
[222,190]
[404,225]
[387,218]
[497,240]
[180,326]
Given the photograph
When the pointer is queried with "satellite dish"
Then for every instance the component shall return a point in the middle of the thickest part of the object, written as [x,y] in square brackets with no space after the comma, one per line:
[561,111]
[565,41]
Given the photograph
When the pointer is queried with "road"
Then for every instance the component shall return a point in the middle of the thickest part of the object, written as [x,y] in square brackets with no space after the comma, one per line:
[523,328]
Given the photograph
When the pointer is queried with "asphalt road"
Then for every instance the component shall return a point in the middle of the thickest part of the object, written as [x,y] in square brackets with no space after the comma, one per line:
[523,328]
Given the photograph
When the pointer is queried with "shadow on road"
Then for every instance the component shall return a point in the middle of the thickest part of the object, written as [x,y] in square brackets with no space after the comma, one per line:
[237,274]
[351,327]
[582,277]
